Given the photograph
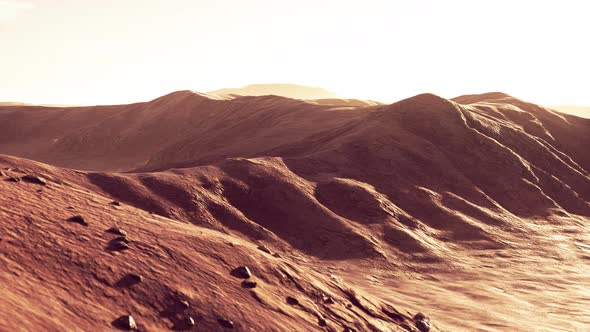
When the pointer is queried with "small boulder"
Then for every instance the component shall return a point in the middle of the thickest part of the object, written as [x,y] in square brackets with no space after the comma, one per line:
[264,248]
[189,321]
[323,322]
[328,300]
[34,179]
[226,323]
[184,323]
[422,322]
[129,280]
[2,173]
[183,305]
[241,272]
[292,301]
[121,239]
[249,284]
[78,220]
[116,230]
[117,245]
[135,277]
[116,203]
[13,179]
[125,322]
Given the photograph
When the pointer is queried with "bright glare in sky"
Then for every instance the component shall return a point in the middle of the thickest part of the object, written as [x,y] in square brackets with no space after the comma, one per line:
[120,51]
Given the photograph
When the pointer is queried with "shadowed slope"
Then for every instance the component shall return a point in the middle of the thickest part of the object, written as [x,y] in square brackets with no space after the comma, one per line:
[60,275]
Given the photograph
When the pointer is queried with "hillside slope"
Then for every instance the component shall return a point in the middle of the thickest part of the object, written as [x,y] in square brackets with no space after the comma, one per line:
[473,210]
[70,274]
[184,124]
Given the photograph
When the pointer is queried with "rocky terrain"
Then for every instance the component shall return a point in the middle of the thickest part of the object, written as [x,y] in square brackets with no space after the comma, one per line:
[468,214]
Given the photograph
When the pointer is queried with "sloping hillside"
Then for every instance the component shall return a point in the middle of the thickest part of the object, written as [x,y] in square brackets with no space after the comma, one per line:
[182,126]
[473,210]
[66,268]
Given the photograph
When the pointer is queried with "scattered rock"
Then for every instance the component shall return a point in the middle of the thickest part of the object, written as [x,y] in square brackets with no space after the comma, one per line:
[189,321]
[328,300]
[264,248]
[184,305]
[422,322]
[422,326]
[34,179]
[129,280]
[121,246]
[2,173]
[13,179]
[349,329]
[184,323]
[176,313]
[390,311]
[125,322]
[249,284]
[78,220]
[116,203]
[133,277]
[241,272]
[276,254]
[121,239]
[226,323]
[322,322]
[116,230]
[292,301]
[117,245]
[420,316]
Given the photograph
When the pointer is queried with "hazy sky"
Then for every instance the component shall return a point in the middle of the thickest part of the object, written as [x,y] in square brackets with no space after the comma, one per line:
[116,51]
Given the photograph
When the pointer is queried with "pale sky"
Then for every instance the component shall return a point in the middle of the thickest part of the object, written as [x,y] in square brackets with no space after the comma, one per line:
[120,51]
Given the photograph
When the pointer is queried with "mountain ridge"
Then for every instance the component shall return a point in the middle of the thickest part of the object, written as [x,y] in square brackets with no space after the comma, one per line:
[281,89]
[398,200]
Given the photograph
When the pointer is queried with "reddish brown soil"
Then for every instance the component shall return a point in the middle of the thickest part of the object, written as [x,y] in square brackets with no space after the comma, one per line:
[474,211]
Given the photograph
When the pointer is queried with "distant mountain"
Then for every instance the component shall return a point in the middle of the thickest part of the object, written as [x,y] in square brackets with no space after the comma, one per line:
[13,103]
[18,103]
[284,90]
[581,111]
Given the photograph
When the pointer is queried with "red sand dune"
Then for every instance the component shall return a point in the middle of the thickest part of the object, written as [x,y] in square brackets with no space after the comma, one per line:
[473,210]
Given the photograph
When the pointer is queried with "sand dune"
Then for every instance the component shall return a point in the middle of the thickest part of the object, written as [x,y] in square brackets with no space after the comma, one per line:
[472,210]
